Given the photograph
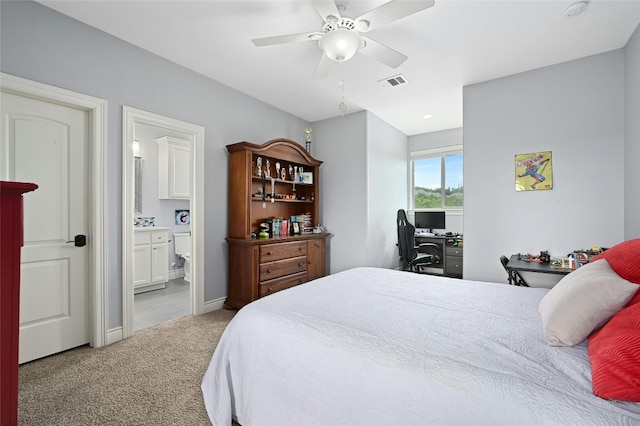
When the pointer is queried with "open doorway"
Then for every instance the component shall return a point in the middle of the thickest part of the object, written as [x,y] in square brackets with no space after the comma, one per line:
[148,129]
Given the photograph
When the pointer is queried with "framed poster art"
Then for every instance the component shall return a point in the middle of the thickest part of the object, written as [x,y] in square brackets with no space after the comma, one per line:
[183,217]
[534,171]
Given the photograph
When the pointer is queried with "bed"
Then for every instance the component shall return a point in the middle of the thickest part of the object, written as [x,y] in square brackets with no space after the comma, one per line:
[371,346]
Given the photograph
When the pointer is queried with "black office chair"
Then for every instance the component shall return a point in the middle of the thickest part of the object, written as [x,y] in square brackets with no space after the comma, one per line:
[410,258]
[514,277]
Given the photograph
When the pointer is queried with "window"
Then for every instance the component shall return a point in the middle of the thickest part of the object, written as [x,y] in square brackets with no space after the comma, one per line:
[437,178]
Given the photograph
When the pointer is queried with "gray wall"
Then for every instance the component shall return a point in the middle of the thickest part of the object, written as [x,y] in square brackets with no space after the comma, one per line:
[42,45]
[632,137]
[576,111]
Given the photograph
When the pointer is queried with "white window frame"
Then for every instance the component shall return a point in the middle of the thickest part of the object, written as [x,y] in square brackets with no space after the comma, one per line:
[432,153]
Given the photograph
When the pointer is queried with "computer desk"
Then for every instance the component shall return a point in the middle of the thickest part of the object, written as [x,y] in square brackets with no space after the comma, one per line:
[517,265]
[450,251]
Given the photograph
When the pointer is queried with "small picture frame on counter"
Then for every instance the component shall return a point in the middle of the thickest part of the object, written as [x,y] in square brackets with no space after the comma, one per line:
[295,228]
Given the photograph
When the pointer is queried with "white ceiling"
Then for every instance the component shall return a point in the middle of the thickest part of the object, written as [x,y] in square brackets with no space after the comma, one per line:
[452,44]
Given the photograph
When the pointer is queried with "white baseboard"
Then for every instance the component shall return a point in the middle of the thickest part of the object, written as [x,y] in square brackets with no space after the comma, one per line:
[176,273]
[213,305]
[114,335]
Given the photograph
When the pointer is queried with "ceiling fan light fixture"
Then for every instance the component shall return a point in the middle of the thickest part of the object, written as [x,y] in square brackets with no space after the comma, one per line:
[340,44]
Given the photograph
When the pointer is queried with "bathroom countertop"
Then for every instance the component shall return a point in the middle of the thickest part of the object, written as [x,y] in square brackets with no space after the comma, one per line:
[150,228]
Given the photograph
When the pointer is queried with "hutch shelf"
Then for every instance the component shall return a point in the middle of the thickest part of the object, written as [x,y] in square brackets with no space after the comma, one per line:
[275,185]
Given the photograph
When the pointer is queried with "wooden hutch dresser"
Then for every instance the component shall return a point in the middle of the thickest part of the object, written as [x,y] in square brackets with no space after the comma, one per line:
[272,184]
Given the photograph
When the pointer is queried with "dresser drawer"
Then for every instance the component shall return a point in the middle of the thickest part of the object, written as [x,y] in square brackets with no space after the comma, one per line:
[280,268]
[271,252]
[453,266]
[453,251]
[271,286]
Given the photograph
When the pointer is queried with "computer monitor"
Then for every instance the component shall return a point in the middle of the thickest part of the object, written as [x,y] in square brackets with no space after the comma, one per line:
[429,220]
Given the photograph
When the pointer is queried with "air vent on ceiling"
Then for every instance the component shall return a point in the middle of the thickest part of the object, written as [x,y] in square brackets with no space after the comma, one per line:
[396,80]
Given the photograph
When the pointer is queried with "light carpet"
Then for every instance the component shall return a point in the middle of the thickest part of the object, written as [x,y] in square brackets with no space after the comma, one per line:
[152,378]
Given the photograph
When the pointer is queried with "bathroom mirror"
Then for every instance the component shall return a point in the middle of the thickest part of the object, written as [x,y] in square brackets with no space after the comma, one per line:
[137,200]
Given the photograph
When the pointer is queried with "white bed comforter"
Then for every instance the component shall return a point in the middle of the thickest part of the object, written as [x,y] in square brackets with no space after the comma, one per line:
[373,346]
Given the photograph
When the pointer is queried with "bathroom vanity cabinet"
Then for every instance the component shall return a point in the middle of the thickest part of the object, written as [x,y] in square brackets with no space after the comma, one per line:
[150,259]
[174,168]
[260,190]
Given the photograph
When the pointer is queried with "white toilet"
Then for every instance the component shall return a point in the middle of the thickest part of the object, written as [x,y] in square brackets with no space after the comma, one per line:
[182,249]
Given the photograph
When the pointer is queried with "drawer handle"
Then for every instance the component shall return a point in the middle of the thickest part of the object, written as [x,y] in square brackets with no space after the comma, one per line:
[269,253]
[269,271]
[299,264]
[269,289]
[300,248]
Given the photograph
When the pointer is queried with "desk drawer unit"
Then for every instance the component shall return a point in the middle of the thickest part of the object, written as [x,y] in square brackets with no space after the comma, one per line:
[453,261]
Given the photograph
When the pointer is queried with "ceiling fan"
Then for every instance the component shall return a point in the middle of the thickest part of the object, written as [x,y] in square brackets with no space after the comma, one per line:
[341,36]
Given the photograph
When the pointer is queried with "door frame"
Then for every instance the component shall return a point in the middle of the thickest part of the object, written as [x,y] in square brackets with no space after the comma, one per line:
[131,117]
[97,119]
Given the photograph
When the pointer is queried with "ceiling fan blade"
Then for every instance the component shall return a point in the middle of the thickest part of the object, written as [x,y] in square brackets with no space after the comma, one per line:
[283,39]
[382,53]
[389,12]
[326,9]
[323,68]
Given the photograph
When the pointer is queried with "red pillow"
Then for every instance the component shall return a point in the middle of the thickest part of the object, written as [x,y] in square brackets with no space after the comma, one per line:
[635,299]
[614,352]
[624,259]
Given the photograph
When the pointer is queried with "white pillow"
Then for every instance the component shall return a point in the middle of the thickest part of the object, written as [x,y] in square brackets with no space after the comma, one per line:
[583,300]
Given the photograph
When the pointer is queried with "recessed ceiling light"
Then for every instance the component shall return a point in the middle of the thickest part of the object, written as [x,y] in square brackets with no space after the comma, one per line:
[576,9]
[427,116]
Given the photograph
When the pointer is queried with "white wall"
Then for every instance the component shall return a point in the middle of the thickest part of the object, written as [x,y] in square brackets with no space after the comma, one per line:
[363,186]
[386,190]
[40,44]
[441,139]
[632,137]
[576,111]
[341,143]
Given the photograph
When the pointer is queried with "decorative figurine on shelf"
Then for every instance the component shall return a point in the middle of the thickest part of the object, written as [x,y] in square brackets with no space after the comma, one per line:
[267,170]
[291,176]
[277,169]
[264,231]
[300,174]
[283,174]
[259,166]
[307,133]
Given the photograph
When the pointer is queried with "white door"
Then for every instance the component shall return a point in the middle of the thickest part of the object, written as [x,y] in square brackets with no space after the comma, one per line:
[46,143]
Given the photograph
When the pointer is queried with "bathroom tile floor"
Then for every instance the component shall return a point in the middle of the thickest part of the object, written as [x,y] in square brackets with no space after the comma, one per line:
[154,307]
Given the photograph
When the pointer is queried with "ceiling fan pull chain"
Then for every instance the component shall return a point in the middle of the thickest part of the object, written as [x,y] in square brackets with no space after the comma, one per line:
[342,107]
